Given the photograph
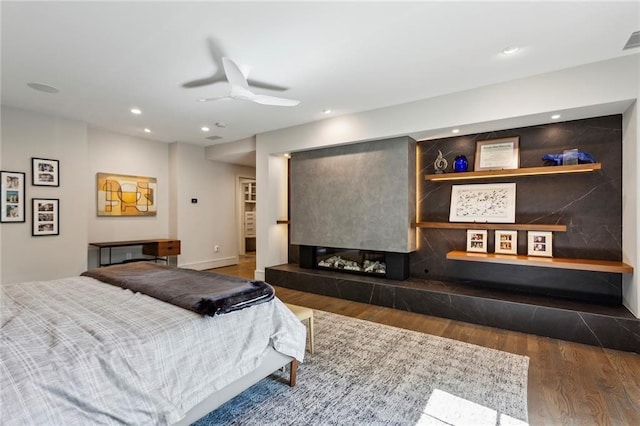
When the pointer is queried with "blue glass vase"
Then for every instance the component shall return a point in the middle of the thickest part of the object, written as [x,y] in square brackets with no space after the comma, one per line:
[460,164]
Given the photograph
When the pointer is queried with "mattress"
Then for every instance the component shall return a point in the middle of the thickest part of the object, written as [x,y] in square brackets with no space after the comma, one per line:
[79,351]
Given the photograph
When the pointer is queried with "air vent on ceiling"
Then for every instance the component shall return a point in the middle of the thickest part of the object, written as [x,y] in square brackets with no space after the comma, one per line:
[634,41]
[214,138]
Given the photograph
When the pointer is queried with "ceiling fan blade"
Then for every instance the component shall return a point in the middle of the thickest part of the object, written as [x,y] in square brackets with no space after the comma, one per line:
[219,98]
[216,78]
[216,53]
[272,100]
[268,86]
[234,74]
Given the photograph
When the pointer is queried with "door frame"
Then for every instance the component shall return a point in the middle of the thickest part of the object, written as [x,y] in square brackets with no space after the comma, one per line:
[240,181]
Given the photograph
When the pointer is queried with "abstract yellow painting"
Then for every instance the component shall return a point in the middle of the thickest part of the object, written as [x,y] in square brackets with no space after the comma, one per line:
[122,195]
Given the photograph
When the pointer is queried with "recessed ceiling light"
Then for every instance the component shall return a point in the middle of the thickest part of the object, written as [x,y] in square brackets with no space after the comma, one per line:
[136,111]
[147,130]
[202,100]
[510,50]
[455,131]
[204,128]
[287,155]
[555,116]
[40,87]
[221,124]
[327,111]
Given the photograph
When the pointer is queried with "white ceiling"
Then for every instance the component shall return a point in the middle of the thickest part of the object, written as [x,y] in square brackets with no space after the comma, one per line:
[106,57]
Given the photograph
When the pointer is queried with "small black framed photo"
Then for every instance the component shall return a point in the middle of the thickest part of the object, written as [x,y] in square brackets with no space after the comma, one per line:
[45,217]
[540,243]
[45,172]
[506,242]
[12,196]
[477,240]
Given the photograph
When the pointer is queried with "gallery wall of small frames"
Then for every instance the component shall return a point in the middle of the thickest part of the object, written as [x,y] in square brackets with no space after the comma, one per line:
[45,215]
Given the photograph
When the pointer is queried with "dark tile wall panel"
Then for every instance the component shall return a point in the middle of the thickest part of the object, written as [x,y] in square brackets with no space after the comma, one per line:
[589,204]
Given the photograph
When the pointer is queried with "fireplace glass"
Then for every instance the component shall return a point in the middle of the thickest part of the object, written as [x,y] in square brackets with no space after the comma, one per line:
[358,261]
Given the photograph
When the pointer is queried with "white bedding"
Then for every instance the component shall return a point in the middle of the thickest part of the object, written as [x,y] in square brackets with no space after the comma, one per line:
[78,351]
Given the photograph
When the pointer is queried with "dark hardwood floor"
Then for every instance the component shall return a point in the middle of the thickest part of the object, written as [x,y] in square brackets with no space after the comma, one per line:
[569,383]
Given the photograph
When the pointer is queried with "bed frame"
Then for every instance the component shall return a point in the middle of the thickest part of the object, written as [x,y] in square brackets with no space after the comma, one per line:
[273,361]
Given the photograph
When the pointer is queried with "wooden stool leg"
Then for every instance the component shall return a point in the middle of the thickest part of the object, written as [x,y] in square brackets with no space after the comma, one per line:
[293,372]
[311,333]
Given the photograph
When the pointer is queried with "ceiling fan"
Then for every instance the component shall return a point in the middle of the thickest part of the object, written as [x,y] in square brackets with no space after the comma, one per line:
[216,53]
[240,88]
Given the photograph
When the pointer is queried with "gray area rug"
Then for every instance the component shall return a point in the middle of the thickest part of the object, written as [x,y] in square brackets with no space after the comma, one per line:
[363,373]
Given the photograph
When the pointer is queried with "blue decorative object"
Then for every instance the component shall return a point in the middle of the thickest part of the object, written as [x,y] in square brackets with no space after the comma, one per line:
[460,164]
[556,159]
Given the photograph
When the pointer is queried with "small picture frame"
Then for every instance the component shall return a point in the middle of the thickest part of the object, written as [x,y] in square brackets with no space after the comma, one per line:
[477,240]
[12,196]
[497,154]
[570,157]
[540,243]
[45,217]
[45,172]
[506,242]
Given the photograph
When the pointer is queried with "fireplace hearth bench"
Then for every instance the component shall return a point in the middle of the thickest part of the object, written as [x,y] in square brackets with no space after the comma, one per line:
[609,326]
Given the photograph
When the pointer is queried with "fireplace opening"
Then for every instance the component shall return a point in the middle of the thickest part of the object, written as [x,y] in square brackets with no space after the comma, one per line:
[364,262]
[370,262]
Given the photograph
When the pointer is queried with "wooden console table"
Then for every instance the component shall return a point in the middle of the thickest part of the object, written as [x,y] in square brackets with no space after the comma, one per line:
[160,248]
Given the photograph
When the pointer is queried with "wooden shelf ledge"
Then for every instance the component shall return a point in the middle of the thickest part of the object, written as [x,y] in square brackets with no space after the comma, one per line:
[505,226]
[528,171]
[543,262]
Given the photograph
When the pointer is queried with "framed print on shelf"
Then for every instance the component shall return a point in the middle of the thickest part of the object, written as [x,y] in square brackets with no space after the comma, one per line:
[45,172]
[497,154]
[486,203]
[45,217]
[506,242]
[477,240]
[540,243]
[12,193]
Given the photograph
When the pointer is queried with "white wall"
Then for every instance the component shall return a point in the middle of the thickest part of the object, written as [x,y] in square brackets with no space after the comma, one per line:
[111,152]
[630,207]
[182,172]
[581,92]
[25,135]
[271,193]
[121,154]
[213,220]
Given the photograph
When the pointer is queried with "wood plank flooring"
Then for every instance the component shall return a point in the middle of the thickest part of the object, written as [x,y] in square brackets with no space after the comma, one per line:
[569,383]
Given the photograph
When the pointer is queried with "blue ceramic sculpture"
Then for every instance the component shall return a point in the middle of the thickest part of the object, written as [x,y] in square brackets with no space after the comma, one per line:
[460,164]
[556,159]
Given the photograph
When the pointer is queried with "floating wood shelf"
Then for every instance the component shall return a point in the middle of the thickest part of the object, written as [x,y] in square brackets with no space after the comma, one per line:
[544,262]
[505,226]
[282,221]
[529,171]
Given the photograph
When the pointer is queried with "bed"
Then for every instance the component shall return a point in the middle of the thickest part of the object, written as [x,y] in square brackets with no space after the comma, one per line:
[80,351]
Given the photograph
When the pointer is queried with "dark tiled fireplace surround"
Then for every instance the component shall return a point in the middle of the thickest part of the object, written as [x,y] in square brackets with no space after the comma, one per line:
[579,306]
[583,322]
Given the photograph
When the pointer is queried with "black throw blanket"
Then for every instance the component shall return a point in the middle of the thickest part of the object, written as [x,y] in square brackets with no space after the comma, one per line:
[206,293]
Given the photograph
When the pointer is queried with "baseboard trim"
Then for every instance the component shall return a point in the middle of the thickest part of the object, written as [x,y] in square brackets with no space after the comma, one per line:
[209,264]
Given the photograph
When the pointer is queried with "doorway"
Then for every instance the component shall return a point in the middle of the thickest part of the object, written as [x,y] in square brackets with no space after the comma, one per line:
[247,219]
